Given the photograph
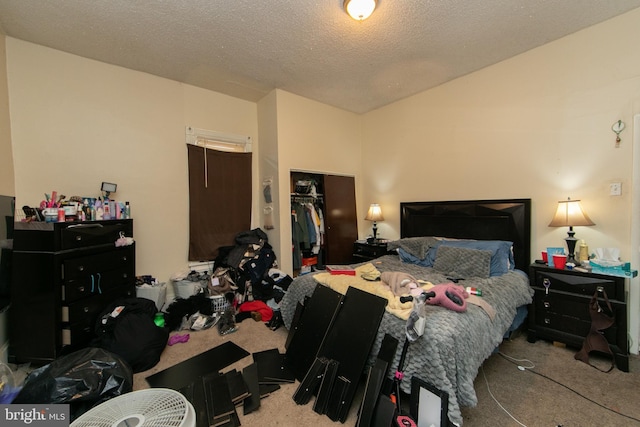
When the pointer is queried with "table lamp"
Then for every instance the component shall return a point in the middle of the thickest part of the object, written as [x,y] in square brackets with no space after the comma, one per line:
[570,214]
[374,214]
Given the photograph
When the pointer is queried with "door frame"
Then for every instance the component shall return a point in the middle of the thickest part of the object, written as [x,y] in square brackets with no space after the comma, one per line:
[633,292]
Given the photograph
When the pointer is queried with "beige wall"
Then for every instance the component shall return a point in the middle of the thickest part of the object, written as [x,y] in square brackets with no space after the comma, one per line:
[536,126]
[6,156]
[318,138]
[76,122]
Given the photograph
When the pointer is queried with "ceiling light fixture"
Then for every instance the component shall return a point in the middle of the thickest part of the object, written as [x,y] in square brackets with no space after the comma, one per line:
[359,9]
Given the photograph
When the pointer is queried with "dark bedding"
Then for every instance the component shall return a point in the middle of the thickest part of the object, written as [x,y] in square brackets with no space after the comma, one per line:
[454,345]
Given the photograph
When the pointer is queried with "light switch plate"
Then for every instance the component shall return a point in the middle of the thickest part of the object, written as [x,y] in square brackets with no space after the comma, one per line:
[615,189]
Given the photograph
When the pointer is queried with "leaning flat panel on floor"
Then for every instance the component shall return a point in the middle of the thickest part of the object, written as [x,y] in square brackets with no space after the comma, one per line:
[349,342]
[311,330]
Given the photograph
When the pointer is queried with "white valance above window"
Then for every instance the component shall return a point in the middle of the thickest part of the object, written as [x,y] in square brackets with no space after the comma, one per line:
[220,141]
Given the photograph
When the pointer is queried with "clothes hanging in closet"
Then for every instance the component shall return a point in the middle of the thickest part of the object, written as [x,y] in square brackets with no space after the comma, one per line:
[307,230]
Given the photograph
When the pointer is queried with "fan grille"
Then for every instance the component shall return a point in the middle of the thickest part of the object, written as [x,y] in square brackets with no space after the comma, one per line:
[154,407]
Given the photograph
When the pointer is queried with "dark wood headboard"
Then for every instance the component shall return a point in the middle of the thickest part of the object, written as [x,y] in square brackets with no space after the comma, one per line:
[508,219]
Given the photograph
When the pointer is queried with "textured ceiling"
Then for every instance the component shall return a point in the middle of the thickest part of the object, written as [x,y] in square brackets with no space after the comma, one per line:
[246,48]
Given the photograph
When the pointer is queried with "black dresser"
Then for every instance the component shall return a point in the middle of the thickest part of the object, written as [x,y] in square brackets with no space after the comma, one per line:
[64,275]
[560,309]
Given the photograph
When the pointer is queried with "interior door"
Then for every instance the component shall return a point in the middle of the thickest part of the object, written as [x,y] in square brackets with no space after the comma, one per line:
[341,223]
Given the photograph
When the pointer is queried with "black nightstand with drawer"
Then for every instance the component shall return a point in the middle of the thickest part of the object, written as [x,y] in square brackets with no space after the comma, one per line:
[364,251]
[560,309]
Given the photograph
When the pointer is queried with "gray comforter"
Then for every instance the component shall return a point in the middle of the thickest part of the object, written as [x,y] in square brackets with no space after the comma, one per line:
[454,345]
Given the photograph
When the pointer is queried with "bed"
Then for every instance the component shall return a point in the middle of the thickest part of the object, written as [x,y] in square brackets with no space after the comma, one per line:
[454,345]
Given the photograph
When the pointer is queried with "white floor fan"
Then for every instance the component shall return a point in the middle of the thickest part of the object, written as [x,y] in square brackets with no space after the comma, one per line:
[154,407]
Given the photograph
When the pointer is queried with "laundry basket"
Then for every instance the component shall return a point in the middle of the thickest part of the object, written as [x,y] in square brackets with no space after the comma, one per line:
[219,303]
[187,288]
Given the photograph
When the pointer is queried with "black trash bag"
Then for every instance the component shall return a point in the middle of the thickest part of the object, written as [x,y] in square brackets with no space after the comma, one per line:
[83,379]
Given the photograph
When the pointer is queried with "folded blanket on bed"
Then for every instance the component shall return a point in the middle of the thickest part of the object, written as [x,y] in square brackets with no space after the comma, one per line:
[340,283]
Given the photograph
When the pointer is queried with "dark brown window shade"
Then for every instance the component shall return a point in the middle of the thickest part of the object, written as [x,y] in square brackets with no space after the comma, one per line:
[219,200]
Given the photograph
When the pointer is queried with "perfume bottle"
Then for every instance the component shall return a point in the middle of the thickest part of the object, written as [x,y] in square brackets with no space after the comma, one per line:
[583,252]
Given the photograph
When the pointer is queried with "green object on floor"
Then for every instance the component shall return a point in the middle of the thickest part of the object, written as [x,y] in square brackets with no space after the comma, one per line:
[159,320]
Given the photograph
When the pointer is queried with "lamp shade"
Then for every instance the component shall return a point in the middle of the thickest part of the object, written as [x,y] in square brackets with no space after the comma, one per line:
[374,213]
[570,214]
[359,9]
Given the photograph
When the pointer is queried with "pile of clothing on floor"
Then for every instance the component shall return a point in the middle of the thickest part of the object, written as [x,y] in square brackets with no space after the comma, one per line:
[244,278]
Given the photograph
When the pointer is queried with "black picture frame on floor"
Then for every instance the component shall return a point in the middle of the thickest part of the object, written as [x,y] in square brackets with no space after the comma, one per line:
[428,404]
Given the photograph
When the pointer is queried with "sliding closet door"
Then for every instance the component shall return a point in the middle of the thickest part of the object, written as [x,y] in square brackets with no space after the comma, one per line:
[341,223]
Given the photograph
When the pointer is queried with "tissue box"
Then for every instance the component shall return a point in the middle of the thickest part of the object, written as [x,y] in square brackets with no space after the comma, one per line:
[157,294]
[622,270]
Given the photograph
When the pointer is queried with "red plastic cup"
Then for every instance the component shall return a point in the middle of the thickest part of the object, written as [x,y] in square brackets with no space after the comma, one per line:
[559,261]
[544,257]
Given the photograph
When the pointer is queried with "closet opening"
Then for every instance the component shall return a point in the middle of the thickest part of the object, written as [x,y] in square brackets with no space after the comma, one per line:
[323,220]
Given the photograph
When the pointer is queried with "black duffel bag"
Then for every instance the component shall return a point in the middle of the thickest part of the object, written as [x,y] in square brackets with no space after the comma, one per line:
[126,328]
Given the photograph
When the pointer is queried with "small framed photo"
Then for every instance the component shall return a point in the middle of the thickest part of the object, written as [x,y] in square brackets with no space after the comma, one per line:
[429,405]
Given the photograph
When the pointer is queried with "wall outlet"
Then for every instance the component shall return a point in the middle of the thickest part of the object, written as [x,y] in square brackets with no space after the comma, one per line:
[615,189]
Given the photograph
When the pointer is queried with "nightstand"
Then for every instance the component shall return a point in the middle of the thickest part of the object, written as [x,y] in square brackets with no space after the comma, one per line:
[364,251]
[560,309]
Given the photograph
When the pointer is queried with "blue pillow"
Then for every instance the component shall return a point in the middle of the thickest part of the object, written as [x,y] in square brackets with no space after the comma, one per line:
[412,259]
[501,253]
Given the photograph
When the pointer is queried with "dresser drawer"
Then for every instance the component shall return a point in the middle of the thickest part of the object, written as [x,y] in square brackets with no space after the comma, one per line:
[90,308]
[577,284]
[81,235]
[87,308]
[97,274]
[96,283]
[575,306]
[78,333]
[576,327]
[87,265]
[65,236]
